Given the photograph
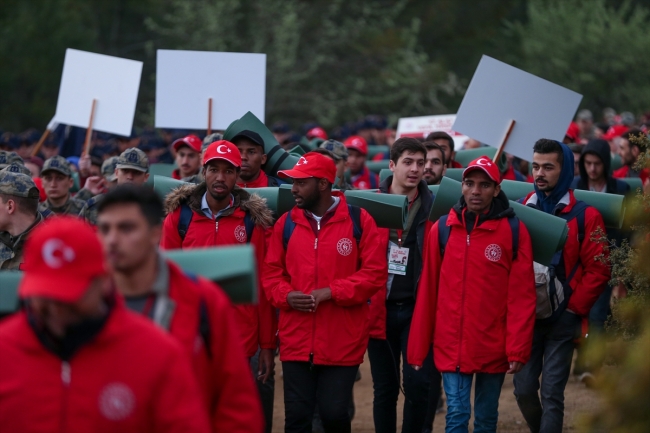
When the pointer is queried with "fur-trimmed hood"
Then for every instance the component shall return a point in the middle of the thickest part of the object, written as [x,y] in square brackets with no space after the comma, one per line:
[192,195]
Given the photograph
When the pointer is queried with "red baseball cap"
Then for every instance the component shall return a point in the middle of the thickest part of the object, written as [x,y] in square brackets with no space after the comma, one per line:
[357,143]
[316,132]
[62,257]
[312,164]
[191,141]
[222,149]
[615,131]
[487,166]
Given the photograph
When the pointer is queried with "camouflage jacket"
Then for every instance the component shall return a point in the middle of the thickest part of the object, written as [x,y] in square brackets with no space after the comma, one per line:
[90,211]
[73,206]
[11,248]
[84,194]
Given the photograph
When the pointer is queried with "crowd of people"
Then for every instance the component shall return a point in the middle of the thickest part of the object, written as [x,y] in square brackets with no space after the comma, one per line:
[112,336]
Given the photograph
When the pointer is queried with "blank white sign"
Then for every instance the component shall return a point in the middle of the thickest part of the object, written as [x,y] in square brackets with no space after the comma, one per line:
[422,126]
[499,92]
[113,81]
[186,80]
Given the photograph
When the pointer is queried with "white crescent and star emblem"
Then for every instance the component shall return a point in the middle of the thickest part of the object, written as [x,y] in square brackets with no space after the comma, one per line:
[56,253]
[221,151]
[484,162]
[301,161]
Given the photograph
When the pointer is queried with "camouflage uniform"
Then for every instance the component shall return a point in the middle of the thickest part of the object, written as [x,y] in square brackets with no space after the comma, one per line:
[108,171]
[73,206]
[16,167]
[7,158]
[11,247]
[132,158]
[340,152]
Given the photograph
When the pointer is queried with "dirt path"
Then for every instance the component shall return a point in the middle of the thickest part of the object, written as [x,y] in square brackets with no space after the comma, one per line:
[578,400]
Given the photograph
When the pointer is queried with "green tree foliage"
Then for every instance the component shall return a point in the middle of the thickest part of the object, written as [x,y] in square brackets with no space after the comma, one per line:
[590,46]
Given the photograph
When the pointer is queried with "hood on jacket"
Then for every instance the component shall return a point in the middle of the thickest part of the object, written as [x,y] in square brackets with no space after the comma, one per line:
[600,148]
[192,195]
[500,208]
[547,203]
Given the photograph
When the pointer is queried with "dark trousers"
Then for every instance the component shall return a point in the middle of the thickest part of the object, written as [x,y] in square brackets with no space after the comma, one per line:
[267,393]
[385,357]
[307,386]
[551,357]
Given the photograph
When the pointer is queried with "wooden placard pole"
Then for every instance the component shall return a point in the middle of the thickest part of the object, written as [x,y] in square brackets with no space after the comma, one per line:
[41,141]
[209,116]
[89,131]
[502,146]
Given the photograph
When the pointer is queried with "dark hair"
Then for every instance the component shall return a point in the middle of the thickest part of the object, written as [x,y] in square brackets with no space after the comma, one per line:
[95,160]
[405,144]
[436,135]
[26,205]
[430,145]
[149,202]
[544,146]
[632,137]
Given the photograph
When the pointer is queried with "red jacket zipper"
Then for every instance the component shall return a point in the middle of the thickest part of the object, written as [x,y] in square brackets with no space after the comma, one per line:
[313,329]
[65,381]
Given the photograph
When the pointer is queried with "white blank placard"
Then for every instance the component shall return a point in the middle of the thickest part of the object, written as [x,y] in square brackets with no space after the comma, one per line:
[499,92]
[185,80]
[422,126]
[113,81]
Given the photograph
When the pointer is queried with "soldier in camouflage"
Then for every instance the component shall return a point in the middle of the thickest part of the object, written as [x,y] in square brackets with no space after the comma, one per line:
[340,154]
[18,216]
[57,181]
[16,167]
[96,185]
[7,158]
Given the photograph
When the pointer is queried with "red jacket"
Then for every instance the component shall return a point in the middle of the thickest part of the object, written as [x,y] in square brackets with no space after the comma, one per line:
[592,275]
[224,375]
[455,164]
[337,333]
[624,172]
[478,306]
[130,377]
[365,180]
[257,323]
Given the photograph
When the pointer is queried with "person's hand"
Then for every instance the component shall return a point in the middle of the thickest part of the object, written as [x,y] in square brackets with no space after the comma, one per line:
[515,367]
[95,184]
[301,302]
[266,364]
[84,165]
[321,295]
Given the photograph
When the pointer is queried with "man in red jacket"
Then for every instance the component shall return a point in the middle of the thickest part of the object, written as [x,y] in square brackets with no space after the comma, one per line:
[188,157]
[360,176]
[629,150]
[479,308]
[251,148]
[218,213]
[192,310]
[579,270]
[75,360]
[325,261]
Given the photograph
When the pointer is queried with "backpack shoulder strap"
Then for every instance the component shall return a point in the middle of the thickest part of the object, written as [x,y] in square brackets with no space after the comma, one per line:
[289,226]
[514,227]
[443,234]
[355,214]
[184,220]
[577,212]
[250,226]
[204,327]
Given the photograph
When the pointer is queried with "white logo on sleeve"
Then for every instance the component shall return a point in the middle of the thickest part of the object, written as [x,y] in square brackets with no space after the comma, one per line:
[493,253]
[116,401]
[56,253]
[240,233]
[344,247]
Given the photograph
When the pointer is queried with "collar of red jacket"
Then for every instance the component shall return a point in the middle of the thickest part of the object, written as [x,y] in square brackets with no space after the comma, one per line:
[341,211]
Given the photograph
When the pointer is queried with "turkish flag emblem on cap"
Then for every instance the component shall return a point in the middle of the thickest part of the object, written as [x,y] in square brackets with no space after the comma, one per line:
[225,150]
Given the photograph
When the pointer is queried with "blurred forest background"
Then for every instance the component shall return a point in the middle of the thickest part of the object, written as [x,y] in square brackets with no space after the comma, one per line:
[332,60]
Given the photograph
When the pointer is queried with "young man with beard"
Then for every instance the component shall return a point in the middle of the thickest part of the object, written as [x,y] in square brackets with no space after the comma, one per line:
[251,148]
[391,309]
[435,166]
[215,213]
[325,261]
[74,359]
[629,151]
[479,309]
[188,157]
[192,310]
[447,145]
[581,278]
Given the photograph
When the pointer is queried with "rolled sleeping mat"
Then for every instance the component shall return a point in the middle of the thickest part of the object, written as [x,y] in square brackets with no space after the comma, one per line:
[634,182]
[610,206]
[233,268]
[384,174]
[278,199]
[297,151]
[434,189]
[616,163]
[161,169]
[455,174]
[286,201]
[276,157]
[9,291]
[464,157]
[163,185]
[388,210]
[377,166]
[548,233]
[375,150]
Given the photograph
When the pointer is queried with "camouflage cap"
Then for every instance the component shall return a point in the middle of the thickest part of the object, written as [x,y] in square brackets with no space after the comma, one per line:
[57,163]
[133,159]
[7,158]
[15,167]
[216,136]
[17,184]
[108,168]
[337,148]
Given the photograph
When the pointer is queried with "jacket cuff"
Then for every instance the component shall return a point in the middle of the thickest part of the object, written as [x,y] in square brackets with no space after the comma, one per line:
[282,297]
[518,358]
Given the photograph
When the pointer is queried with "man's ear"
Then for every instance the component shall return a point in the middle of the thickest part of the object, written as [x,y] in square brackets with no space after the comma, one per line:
[146,177]
[391,165]
[635,151]
[263,158]
[497,190]
[70,182]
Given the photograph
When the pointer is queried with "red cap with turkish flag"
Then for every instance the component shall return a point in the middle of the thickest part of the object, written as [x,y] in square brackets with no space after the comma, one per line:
[487,166]
[312,164]
[357,143]
[222,149]
[191,141]
[316,132]
[615,131]
[62,257]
